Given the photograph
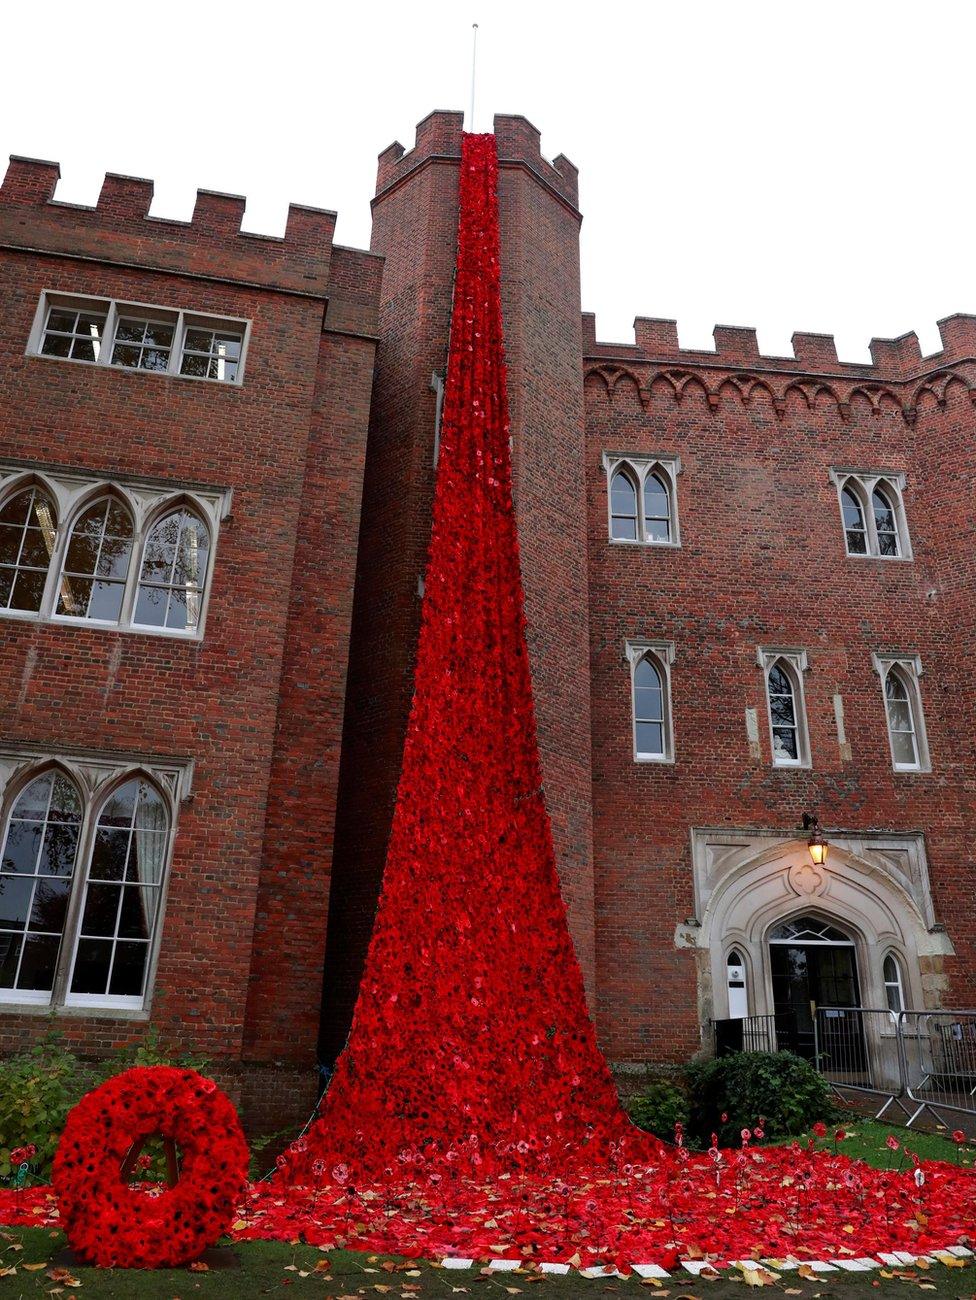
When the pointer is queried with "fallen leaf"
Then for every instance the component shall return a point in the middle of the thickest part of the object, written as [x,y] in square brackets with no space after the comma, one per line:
[32,1268]
[199,1266]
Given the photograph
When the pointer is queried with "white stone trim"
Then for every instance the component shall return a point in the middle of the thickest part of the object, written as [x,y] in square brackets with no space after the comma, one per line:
[72,492]
[640,464]
[95,774]
[662,654]
[875,885]
[910,668]
[863,482]
[797,664]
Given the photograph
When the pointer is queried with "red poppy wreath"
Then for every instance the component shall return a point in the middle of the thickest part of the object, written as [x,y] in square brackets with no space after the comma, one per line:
[115,1225]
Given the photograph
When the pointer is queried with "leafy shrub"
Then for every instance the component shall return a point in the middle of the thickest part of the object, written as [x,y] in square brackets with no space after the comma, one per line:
[37,1089]
[782,1089]
[659,1107]
[39,1086]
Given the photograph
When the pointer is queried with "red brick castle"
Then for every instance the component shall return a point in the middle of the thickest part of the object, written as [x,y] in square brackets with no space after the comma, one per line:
[749,586]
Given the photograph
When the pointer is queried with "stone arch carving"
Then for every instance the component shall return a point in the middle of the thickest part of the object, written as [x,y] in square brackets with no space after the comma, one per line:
[875,887]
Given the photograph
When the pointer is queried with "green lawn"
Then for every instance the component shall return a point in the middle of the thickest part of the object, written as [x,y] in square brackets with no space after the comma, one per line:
[267,1267]
[867,1140]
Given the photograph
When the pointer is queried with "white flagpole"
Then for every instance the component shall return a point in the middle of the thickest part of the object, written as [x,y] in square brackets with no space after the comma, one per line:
[474,66]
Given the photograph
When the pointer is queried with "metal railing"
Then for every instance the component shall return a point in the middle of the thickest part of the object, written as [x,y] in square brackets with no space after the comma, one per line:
[745,1034]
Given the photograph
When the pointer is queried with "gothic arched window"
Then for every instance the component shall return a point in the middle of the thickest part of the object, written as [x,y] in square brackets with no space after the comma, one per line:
[123,883]
[96,563]
[28,534]
[173,573]
[40,845]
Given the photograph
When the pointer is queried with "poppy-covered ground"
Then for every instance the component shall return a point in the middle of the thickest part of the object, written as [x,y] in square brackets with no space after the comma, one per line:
[807,1201]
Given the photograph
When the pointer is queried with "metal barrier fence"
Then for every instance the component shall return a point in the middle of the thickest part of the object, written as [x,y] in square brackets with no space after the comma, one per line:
[938,1053]
[858,1050]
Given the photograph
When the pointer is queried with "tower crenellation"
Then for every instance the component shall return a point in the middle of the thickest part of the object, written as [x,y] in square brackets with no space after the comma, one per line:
[736,346]
[212,241]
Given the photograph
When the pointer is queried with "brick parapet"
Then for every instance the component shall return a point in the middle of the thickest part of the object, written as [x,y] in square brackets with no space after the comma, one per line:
[893,361]
[211,244]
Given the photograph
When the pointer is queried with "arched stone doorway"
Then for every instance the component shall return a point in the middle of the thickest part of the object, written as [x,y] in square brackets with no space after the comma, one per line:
[872,896]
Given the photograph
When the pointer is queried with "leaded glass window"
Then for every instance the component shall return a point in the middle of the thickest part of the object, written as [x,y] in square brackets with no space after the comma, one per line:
[855,529]
[884,523]
[783,715]
[623,507]
[40,846]
[901,720]
[657,509]
[649,705]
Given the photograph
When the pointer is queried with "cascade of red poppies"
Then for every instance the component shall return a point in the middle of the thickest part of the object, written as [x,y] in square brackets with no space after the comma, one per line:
[471,1039]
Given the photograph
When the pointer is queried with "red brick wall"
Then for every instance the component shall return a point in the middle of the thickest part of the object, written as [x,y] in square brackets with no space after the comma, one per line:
[290,443]
[762,562]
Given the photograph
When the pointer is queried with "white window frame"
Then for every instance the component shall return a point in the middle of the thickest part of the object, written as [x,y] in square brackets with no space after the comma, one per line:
[95,776]
[797,665]
[897,983]
[73,493]
[661,654]
[181,318]
[667,467]
[910,669]
[863,483]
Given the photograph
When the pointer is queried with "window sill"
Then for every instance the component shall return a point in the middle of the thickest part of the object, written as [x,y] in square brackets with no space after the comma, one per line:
[631,541]
[659,759]
[102,1010]
[884,559]
[234,385]
[802,765]
[65,620]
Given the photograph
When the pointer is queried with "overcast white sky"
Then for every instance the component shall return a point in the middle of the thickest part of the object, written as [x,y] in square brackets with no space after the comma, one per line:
[785,165]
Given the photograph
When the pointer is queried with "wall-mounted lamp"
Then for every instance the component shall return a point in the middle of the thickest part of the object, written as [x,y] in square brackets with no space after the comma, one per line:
[817,843]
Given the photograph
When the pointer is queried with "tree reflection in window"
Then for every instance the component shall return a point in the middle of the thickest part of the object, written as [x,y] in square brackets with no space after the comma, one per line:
[901,721]
[884,523]
[783,715]
[855,529]
[173,573]
[36,866]
[27,538]
[96,563]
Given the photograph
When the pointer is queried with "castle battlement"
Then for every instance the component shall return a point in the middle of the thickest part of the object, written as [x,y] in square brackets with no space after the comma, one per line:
[438,138]
[897,360]
[120,229]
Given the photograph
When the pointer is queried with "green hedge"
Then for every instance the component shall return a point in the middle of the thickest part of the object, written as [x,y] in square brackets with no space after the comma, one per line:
[38,1088]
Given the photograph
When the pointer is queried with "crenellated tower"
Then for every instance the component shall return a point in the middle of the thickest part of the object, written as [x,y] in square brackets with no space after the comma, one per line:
[414,228]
